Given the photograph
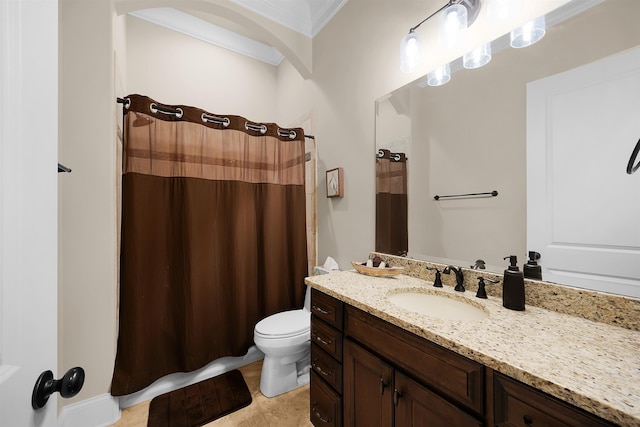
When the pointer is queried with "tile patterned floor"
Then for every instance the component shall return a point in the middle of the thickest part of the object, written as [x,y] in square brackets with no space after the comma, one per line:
[287,410]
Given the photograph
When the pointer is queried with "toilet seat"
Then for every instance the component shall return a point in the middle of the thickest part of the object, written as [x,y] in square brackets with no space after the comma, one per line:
[284,325]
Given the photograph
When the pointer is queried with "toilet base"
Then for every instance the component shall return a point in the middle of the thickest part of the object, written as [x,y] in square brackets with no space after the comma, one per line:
[278,377]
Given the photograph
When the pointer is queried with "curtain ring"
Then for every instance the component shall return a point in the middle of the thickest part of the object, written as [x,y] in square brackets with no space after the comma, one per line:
[290,133]
[127,103]
[261,128]
[396,157]
[380,153]
[224,121]
[155,109]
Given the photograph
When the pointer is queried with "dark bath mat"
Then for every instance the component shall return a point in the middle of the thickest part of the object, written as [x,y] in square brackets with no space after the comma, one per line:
[200,403]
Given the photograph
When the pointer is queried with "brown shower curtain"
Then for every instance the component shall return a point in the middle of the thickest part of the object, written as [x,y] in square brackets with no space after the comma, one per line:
[213,237]
[391,203]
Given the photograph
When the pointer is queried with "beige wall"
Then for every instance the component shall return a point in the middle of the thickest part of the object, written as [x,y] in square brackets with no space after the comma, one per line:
[87,214]
[176,69]
[355,61]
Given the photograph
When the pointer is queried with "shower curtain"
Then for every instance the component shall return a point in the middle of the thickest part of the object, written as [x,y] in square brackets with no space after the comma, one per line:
[213,237]
[391,203]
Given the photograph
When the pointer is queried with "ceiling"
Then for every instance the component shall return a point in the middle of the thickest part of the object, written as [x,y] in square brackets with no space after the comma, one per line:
[306,17]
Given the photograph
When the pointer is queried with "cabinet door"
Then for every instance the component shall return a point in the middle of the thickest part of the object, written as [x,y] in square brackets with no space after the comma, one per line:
[368,388]
[518,405]
[416,406]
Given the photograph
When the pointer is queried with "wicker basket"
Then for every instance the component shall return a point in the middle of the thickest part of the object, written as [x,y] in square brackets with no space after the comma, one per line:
[375,271]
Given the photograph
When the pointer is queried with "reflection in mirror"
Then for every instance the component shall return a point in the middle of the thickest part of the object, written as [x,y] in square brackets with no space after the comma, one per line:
[470,136]
[391,203]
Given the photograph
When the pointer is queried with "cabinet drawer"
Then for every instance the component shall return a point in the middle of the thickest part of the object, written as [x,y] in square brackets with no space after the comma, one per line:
[325,404]
[327,338]
[518,405]
[326,308]
[328,368]
[455,376]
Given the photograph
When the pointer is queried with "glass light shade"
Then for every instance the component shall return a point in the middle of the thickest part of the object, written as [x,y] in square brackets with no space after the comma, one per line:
[477,57]
[529,33]
[501,10]
[439,76]
[452,26]
[410,52]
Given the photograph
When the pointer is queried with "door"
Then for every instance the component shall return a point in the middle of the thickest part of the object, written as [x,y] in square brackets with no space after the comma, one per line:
[416,406]
[367,389]
[582,205]
[28,206]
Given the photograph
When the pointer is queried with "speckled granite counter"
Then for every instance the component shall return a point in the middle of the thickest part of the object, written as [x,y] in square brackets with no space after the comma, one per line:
[591,365]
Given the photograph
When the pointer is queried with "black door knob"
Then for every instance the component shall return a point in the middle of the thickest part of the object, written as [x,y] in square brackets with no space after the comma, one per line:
[68,386]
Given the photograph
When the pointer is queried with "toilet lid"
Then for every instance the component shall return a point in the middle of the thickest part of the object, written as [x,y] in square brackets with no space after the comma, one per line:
[285,324]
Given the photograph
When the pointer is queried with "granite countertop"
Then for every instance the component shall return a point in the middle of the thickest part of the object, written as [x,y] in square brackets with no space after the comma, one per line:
[591,365]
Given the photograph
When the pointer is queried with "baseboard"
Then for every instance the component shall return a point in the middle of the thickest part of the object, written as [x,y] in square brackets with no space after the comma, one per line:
[99,411]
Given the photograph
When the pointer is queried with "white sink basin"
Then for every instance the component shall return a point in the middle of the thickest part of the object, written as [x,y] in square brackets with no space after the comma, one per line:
[438,306]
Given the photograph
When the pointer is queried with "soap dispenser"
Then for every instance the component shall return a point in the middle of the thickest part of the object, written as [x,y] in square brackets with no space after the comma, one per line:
[513,286]
[531,269]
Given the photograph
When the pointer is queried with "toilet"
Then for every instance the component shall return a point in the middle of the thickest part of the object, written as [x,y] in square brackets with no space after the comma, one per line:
[285,340]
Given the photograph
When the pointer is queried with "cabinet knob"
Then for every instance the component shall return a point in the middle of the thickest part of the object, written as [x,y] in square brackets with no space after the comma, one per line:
[396,396]
[319,369]
[527,420]
[323,341]
[382,386]
[320,310]
[318,415]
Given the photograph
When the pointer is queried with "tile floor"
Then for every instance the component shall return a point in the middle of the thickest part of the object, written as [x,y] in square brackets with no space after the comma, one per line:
[287,410]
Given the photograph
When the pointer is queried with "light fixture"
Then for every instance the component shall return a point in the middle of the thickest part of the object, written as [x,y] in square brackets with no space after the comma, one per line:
[477,57]
[410,52]
[439,76]
[458,15]
[529,33]
[452,26]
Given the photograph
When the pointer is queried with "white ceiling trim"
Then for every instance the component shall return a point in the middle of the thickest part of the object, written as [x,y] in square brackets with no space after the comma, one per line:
[200,29]
[322,16]
[306,17]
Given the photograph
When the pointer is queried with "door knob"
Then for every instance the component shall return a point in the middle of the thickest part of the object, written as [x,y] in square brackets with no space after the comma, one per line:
[68,386]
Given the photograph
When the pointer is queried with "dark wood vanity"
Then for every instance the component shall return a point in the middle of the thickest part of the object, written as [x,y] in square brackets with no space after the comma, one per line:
[367,372]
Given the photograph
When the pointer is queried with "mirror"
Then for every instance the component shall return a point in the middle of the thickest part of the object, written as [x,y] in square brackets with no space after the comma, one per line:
[469,136]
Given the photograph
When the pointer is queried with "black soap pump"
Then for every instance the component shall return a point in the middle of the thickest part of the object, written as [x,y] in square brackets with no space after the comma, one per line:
[531,269]
[513,286]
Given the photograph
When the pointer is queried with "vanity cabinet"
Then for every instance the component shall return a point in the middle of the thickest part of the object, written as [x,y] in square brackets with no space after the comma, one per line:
[326,360]
[367,372]
[377,394]
[394,378]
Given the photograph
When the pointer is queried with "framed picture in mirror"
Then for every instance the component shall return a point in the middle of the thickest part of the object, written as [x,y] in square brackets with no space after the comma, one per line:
[335,183]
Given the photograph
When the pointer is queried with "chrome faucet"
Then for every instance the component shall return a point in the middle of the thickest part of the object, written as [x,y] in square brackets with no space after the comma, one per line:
[459,277]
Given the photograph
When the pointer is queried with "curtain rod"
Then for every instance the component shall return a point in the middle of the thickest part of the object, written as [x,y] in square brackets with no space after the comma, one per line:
[205,117]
